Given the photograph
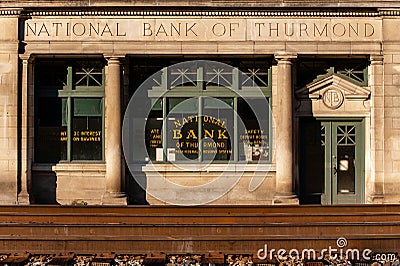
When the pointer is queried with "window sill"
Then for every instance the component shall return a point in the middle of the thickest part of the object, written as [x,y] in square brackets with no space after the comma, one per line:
[80,167]
[232,167]
[70,167]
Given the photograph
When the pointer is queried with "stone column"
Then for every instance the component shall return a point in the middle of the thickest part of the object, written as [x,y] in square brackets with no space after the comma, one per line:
[284,132]
[26,128]
[113,133]
[375,81]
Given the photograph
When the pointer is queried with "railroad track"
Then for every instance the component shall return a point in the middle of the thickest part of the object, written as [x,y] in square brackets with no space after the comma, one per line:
[196,230]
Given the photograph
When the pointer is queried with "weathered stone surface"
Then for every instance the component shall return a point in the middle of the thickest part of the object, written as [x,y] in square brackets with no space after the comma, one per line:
[9,110]
[187,31]
[198,183]
[203,29]
[80,183]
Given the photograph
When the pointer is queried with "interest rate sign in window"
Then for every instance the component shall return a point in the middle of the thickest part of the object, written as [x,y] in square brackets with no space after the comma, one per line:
[69,110]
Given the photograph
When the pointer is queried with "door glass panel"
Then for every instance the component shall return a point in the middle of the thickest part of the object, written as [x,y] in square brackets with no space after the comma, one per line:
[346,135]
[346,169]
[323,134]
[346,147]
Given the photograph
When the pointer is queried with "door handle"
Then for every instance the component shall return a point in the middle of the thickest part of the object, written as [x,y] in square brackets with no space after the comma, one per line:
[334,169]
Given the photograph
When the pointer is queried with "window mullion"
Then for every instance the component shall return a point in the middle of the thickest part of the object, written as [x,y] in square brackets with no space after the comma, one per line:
[235,87]
[200,79]
[103,78]
[164,129]
[201,85]
[69,114]
[70,78]
[235,131]
[200,128]
[103,146]
[235,79]
[270,129]
[69,128]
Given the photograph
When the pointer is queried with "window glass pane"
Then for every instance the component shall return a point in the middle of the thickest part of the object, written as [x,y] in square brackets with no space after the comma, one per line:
[182,129]
[153,132]
[88,73]
[56,116]
[256,73]
[51,133]
[310,69]
[219,75]
[253,131]
[218,130]
[88,107]
[51,74]
[87,142]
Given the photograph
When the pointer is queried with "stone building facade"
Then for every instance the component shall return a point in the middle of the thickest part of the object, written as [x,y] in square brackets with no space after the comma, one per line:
[328,71]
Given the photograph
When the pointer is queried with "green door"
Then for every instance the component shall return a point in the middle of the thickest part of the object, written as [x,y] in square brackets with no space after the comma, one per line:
[334,172]
[344,162]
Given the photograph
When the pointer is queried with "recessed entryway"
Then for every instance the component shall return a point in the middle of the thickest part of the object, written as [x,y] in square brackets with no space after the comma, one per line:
[331,161]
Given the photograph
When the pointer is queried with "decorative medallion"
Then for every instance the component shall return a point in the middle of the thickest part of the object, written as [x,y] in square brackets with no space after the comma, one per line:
[333,98]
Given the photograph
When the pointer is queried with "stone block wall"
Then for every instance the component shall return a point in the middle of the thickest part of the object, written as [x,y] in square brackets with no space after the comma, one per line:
[8,109]
[391,83]
[234,185]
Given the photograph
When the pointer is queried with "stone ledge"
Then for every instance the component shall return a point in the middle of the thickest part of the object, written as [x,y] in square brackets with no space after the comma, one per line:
[162,167]
[79,167]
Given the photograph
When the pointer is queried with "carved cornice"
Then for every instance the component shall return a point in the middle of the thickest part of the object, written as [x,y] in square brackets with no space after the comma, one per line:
[10,12]
[195,13]
[389,12]
[136,13]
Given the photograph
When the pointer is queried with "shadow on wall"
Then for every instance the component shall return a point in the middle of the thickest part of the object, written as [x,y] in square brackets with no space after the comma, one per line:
[43,188]
[136,194]
[44,184]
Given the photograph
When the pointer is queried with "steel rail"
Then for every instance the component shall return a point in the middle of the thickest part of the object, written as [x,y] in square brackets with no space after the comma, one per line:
[198,230]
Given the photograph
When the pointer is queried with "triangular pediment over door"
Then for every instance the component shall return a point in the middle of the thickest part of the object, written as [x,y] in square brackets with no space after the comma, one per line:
[332,95]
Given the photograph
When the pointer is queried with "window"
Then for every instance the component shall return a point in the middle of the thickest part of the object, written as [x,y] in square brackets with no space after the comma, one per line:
[209,112]
[352,69]
[69,117]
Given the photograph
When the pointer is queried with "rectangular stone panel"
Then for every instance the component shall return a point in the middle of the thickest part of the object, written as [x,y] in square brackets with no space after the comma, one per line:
[6,29]
[202,29]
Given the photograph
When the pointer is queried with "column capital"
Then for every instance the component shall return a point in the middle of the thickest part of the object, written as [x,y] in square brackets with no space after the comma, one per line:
[27,57]
[113,59]
[285,57]
[376,59]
